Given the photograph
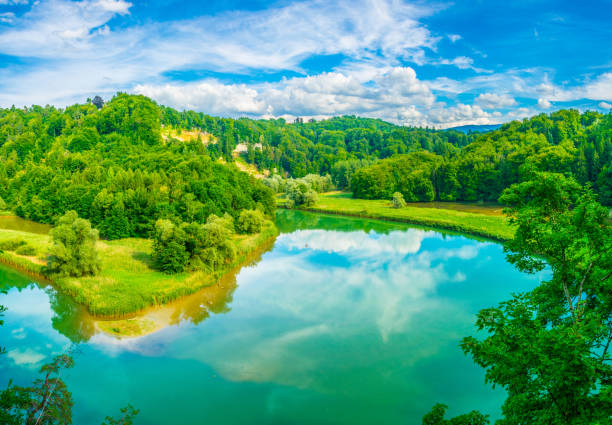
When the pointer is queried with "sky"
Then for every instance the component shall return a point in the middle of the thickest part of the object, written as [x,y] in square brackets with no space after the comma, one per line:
[438,64]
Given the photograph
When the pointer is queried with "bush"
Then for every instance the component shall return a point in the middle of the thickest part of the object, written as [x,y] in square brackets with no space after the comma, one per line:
[74,247]
[169,251]
[310,198]
[398,200]
[177,247]
[250,221]
[2,204]
[11,244]
[26,250]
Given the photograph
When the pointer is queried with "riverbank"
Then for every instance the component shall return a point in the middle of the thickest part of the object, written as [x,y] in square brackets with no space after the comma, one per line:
[127,283]
[486,221]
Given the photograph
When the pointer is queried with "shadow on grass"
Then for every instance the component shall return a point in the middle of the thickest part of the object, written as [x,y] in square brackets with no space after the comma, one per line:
[145,258]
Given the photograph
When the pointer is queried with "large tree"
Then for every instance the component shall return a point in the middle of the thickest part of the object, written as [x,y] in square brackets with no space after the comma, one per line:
[74,247]
[550,348]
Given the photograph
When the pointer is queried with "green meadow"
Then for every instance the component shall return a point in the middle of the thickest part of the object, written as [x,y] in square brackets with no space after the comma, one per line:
[127,283]
[487,221]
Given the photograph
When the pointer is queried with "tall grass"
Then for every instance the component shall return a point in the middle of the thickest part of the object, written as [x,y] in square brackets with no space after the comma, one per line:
[128,282]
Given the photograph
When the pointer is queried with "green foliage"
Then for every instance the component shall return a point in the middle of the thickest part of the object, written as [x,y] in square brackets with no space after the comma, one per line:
[2,204]
[113,167]
[48,400]
[169,251]
[128,413]
[564,142]
[27,250]
[194,246]
[74,247]
[398,200]
[437,413]
[408,174]
[549,348]
[250,221]
[313,182]
[11,244]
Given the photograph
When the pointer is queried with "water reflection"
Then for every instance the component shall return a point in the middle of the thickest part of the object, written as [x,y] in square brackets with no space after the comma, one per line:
[12,222]
[354,323]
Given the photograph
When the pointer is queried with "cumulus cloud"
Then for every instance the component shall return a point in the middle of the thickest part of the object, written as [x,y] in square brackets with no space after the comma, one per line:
[78,52]
[605,105]
[492,100]
[544,104]
[391,93]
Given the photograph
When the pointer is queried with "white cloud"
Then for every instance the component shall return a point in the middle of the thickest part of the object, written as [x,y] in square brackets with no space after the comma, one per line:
[26,357]
[79,53]
[7,17]
[463,62]
[13,2]
[391,93]
[460,114]
[544,104]
[492,100]
[605,105]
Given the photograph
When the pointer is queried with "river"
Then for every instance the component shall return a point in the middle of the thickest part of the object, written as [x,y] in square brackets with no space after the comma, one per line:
[342,321]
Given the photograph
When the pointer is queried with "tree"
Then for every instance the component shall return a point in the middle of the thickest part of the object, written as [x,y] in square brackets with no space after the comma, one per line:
[169,251]
[98,102]
[128,413]
[48,401]
[74,247]
[549,348]
[398,200]
[250,221]
[437,413]
[310,198]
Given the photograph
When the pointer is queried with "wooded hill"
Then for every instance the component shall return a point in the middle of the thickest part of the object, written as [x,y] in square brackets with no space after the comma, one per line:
[470,167]
[113,167]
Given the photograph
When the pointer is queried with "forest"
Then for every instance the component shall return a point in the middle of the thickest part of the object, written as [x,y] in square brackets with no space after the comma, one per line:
[112,166]
[375,159]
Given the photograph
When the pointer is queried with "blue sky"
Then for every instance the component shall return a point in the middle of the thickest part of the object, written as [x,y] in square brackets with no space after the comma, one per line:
[416,63]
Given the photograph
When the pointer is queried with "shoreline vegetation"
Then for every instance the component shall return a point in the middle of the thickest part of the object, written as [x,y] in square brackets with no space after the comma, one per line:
[479,220]
[127,284]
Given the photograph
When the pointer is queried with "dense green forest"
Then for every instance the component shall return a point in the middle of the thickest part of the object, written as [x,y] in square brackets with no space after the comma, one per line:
[565,142]
[423,164]
[112,166]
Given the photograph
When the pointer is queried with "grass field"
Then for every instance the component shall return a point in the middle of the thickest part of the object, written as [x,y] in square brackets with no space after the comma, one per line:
[480,220]
[127,283]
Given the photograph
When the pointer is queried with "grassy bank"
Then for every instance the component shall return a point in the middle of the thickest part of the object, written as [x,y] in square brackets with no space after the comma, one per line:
[127,283]
[477,220]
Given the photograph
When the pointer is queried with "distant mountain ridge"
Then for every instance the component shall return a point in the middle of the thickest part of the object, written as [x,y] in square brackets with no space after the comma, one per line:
[483,128]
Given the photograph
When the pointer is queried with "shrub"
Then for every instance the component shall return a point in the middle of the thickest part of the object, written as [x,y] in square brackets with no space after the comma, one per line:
[11,244]
[250,221]
[26,250]
[398,200]
[310,198]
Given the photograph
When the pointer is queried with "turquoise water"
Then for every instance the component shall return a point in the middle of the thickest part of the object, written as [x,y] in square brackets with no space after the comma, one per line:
[343,321]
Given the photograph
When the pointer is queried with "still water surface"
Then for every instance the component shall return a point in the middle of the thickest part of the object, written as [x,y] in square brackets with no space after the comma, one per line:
[342,321]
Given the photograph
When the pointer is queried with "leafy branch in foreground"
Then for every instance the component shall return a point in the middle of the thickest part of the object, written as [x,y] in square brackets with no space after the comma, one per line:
[47,401]
[550,348]
[436,417]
